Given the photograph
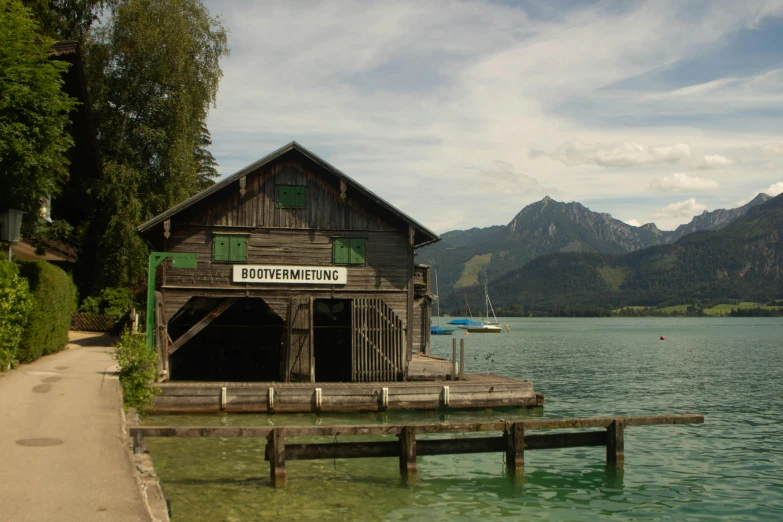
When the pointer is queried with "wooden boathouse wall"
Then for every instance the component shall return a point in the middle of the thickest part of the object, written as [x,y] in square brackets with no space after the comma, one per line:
[389,295]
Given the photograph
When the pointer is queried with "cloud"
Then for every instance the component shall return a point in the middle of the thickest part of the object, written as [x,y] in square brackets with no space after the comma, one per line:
[633,223]
[715,161]
[774,189]
[771,150]
[501,178]
[407,96]
[683,209]
[618,154]
[681,182]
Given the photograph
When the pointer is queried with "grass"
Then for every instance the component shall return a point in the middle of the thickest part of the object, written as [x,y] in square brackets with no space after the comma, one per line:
[676,308]
[613,277]
[717,310]
[667,263]
[725,309]
[471,270]
[616,310]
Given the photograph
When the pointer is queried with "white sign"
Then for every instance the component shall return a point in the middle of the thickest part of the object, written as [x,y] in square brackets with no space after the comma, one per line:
[299,275]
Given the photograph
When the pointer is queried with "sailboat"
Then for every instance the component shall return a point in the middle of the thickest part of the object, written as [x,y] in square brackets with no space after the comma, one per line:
[487,326]
[438,329]
[466,323]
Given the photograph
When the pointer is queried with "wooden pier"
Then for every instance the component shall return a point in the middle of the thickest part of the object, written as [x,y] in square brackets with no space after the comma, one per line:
[472,391]
[514,439]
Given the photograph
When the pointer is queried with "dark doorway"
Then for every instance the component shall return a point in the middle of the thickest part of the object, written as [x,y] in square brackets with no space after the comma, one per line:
[242,344]
[332,340]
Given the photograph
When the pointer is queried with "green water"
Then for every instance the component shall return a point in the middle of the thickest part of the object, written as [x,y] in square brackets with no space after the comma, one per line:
[731,467]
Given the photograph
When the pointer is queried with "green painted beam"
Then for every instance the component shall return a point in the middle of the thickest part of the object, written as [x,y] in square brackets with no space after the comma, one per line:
[178,260]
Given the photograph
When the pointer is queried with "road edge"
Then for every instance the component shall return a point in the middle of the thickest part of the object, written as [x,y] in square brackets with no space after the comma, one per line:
[146,478]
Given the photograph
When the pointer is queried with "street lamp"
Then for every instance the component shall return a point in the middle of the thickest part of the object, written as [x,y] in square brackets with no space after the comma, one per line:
[10,227]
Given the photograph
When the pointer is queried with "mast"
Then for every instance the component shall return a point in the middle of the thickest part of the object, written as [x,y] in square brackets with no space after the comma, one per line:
[437,295]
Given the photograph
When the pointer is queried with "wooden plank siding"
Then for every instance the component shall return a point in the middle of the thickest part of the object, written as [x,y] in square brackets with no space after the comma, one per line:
[382,289]
[385,270]
[421,325]
[258,207]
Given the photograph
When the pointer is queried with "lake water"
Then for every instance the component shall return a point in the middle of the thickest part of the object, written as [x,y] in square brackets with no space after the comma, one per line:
[731,467]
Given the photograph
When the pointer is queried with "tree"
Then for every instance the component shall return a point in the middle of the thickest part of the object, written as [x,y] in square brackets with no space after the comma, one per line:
[154,70]
[205,161]
[34,113]
[65,19]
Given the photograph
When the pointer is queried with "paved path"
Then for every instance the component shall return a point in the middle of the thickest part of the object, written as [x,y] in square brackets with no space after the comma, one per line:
[62,452]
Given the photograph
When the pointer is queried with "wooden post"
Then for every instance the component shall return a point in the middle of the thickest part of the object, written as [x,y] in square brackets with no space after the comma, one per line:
[615,443]
[276,453]
[407,438]
[138,443]
[453,359]
[461,359]
[514,436]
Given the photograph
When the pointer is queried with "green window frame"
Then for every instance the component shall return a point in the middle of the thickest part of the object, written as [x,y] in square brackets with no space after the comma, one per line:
[291,196]
[349,251]
[229,248]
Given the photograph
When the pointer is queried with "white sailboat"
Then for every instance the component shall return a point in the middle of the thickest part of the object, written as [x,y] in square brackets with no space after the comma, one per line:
[488,326]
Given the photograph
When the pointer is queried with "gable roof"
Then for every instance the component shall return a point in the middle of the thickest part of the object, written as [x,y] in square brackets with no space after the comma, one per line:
[423,235]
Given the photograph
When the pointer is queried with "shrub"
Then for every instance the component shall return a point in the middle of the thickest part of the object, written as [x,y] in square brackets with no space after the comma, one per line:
[54,300]
[15,305]
[138,369]
[111,301]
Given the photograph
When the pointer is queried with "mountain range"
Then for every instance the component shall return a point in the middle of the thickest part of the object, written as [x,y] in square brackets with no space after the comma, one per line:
[464,257]
[742,261]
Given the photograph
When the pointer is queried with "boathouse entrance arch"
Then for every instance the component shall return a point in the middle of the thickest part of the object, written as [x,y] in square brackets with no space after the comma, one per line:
[241,342]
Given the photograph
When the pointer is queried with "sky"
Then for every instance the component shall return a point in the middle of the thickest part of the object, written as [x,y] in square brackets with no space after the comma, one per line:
[462,113]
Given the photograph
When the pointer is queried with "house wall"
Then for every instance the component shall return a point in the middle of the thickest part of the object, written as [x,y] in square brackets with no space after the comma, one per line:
[422,313]
[286,236]
[385,273]
[325,210]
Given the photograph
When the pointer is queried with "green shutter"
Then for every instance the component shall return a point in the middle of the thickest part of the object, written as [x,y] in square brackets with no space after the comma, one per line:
[220,249]
[298,197]
[291,196]
[284,196]
[238,249]
[341,251]
[358,251]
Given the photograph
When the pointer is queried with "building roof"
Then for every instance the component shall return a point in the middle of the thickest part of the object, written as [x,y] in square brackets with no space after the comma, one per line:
[423,234]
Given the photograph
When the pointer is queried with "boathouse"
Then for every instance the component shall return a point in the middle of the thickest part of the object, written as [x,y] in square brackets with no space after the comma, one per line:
[301,274]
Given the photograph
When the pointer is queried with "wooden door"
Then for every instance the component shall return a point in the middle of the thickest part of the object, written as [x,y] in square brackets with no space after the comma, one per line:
[299,354]
[378,342]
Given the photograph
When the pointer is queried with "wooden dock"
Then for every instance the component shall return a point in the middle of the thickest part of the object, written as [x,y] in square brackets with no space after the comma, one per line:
[514,439]
[471,391]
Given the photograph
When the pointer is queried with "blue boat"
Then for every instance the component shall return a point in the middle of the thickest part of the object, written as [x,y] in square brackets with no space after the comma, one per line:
[440,330]
[466,322]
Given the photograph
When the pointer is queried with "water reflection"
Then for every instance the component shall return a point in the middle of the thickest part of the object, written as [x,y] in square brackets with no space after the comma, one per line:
[728,468]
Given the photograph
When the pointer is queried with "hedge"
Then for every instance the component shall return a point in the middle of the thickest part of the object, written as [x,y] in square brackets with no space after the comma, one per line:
[15,304]
[54,300]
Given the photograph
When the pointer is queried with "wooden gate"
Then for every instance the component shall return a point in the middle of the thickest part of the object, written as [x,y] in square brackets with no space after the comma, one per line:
[299,354]
[378,342]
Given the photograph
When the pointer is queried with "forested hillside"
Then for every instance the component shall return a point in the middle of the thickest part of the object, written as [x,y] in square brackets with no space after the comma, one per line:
[463,257]
[742,261]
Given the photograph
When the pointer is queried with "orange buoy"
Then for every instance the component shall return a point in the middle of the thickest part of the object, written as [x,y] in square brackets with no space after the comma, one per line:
[466,333]
[663,338]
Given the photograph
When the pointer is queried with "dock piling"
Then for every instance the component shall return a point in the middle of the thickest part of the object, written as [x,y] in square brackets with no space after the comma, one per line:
[453,359]
[407,437]
[276,453]
[461,359]
[615,443]
[514,438]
